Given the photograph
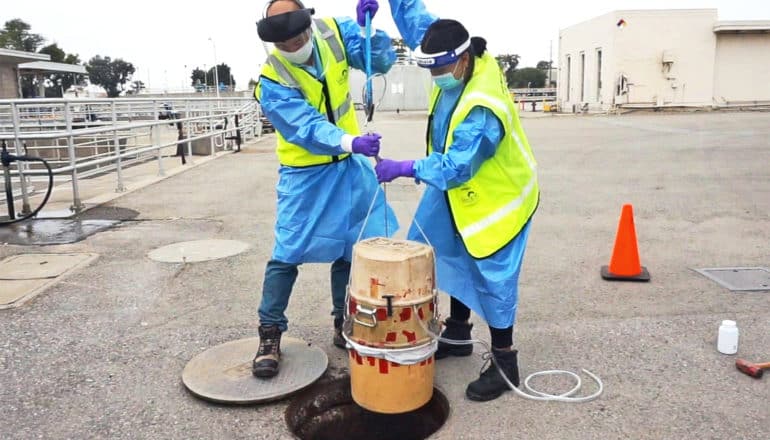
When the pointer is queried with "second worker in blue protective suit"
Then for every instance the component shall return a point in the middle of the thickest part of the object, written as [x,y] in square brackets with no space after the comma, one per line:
[327,185]
[482,187]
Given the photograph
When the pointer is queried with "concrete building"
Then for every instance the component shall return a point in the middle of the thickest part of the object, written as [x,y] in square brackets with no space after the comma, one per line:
[9,70]
[663,58]
[405,87]
[14,64]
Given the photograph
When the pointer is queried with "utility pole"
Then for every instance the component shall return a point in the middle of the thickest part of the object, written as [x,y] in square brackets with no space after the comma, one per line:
[216,73]
[550,64]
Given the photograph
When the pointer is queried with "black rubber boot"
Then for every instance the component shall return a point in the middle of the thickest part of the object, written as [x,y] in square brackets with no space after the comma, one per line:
[458,331]
[268,356]
[338,340]
[490,385]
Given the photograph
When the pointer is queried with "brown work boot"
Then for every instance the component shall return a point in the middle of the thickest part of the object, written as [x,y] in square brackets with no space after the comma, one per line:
[338,340]
[265,363]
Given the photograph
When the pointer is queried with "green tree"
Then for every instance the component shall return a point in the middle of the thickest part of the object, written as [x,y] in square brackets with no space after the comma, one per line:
[198,78]
[224,74]
[110,74]
[508,63]
[528,77]
[543,65]
[16,35]
[58,82]
[55,52]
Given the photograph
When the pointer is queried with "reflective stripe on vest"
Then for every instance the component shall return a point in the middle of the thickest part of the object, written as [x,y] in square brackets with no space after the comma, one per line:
[500,105]
[282,72]
[334,44]
[335,89]
[499,214]
[289,81]
[491,208]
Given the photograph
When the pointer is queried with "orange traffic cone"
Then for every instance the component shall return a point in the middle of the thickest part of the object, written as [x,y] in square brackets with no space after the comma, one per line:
[624,265]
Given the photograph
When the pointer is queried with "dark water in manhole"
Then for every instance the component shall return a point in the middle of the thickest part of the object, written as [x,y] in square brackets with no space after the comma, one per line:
[327,412]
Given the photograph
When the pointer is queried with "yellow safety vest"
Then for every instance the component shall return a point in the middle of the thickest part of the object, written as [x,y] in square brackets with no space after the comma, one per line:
[491,208]
[330,96]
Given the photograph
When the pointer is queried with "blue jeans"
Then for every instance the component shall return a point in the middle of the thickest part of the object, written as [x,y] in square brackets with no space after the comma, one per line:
[279,281]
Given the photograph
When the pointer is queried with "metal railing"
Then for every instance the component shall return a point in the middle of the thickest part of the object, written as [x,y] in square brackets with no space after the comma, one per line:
[534,94]
[85,137]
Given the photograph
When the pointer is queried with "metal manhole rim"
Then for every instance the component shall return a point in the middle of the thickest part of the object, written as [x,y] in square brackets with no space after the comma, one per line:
[239,352]
[174,252]
[440,395]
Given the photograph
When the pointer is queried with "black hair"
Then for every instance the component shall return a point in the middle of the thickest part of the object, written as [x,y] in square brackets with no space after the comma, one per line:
[479,45]
[447,34]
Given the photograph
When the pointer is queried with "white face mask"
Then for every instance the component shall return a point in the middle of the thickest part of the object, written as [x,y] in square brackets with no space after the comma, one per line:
[301,55]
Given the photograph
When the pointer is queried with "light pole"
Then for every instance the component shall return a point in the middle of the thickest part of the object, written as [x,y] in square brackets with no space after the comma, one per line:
[216,74]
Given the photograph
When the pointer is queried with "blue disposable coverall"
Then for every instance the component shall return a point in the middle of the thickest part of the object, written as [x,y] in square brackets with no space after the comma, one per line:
[488,286]
[321,209]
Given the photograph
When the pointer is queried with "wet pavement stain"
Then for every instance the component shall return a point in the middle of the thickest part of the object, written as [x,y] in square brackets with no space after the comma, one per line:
[45,232]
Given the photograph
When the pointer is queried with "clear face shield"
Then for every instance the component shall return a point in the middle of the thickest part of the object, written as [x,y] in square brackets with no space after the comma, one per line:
[289,32]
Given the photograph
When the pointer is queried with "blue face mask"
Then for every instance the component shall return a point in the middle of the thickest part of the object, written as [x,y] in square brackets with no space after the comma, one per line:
[447,81]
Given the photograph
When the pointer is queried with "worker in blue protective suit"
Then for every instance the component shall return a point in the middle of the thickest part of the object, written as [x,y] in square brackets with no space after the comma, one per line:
[482,188]
[326,182]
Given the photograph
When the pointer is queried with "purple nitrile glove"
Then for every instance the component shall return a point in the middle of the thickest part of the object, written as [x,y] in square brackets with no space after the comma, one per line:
[363,7]
[368,144]
[388,170]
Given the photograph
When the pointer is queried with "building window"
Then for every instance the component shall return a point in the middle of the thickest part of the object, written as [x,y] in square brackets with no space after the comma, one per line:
[598,75]
[569,77]
[582,76]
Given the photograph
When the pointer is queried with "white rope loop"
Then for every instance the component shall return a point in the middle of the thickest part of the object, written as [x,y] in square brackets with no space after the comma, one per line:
[536,395]
[567,397]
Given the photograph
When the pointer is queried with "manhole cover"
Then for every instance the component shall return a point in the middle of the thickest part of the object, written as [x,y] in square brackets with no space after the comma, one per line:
[22,277]
[739,279]
[327,412]
[197,251]
[222,374]
[45,232]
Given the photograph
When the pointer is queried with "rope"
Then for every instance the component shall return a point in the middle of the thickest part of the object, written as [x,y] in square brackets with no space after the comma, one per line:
[535,394]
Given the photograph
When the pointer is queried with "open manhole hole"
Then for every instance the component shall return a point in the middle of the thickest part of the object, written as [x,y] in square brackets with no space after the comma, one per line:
[327,412]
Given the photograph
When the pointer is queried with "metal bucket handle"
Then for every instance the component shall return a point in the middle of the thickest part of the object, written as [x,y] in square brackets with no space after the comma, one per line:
[370,313]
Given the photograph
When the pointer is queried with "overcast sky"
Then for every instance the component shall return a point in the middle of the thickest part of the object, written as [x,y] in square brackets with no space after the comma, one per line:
[165,40]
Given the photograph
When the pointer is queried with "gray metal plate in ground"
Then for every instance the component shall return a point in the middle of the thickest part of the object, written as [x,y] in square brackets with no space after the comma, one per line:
[196,251]
[222,374]
[22,277]
[37,266]
[739,279]
[44,232]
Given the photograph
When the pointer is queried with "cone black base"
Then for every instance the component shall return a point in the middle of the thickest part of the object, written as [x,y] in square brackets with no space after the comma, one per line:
[642,277]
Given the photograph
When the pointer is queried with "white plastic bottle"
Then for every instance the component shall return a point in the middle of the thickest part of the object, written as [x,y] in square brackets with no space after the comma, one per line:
[727,343]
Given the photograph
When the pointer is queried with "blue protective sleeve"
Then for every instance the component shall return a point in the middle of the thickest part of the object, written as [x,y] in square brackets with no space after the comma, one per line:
[298,121]
[474,141]
[412,20]
[383,54]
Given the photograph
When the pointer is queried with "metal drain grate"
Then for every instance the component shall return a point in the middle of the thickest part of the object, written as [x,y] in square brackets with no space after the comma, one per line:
[739,279]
